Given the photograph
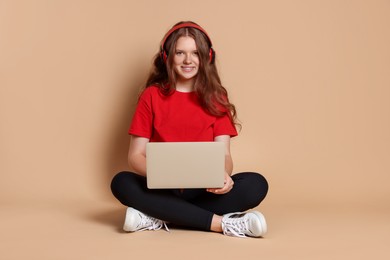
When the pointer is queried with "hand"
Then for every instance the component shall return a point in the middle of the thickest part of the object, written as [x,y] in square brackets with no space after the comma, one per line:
[228,186]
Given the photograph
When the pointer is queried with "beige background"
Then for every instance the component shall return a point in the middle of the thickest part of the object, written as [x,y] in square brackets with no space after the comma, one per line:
[311,82]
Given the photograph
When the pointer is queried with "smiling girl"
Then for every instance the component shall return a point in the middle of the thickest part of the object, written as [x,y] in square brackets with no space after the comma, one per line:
[184,101]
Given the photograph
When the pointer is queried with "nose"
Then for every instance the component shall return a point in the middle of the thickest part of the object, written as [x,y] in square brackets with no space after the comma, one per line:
[187,59]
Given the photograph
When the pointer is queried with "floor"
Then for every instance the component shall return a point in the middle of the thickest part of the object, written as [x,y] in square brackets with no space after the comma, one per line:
[91,230]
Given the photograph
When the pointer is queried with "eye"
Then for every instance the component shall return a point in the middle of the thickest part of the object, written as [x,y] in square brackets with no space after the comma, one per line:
[179,52]
[196,53]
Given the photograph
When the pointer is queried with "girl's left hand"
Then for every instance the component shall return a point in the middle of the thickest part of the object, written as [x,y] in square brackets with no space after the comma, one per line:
[228,186]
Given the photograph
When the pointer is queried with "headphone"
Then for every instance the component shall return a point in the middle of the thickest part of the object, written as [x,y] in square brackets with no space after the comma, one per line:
[163,53]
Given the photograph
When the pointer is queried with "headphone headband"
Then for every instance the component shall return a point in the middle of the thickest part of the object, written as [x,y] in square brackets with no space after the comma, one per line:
[164,54]
[184,25]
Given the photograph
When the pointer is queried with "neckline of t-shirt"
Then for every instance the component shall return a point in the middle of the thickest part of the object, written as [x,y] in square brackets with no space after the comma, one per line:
[181,92]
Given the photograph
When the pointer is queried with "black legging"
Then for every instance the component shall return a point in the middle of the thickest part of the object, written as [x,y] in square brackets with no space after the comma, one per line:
[192,208]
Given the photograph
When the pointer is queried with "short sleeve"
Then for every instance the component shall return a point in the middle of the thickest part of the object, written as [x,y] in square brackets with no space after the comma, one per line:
[224,126]
[142,122]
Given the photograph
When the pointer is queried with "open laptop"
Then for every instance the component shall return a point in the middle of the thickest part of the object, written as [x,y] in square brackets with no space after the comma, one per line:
[180,165]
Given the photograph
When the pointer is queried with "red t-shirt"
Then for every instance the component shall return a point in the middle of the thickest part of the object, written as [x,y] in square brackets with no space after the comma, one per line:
[176,118]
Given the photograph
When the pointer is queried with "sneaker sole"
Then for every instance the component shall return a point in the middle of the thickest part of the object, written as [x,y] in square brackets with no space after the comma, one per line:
[129,220]
[263,223]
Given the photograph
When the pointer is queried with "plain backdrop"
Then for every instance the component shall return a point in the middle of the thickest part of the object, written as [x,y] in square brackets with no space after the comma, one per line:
[310,80]
[311,83]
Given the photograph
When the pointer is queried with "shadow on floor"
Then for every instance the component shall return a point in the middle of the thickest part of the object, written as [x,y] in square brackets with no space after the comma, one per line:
[113,218]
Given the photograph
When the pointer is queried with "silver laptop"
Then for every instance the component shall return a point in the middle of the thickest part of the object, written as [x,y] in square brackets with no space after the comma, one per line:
[180,165]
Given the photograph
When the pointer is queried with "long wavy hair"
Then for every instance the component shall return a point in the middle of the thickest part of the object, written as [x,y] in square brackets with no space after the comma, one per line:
[213,97]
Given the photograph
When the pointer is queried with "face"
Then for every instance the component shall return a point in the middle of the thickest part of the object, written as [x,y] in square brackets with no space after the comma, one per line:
[186,59]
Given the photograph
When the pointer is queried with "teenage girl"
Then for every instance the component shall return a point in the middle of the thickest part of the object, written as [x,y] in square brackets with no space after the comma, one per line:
[184,101]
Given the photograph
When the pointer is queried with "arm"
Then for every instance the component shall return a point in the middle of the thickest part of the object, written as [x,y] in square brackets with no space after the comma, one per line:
[228,166]
[137,154]
[228,158]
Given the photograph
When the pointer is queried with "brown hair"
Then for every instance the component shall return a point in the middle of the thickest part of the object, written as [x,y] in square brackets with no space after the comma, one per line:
[213,97]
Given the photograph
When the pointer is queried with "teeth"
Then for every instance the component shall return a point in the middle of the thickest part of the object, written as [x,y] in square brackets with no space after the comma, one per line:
[187,68]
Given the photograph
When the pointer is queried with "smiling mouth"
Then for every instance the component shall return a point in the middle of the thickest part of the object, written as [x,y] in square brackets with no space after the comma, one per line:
[187,69]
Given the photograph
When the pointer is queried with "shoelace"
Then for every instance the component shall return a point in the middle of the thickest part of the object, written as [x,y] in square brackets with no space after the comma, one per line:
[150,223]
[235,227]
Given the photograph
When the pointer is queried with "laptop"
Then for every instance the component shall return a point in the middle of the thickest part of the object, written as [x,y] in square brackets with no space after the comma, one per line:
[180,165]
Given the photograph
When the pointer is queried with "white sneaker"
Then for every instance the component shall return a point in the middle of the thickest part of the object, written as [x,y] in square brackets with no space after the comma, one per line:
[244,224]
[137,221]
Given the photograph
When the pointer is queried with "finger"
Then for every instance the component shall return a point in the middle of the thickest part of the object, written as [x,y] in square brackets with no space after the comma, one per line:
[228,185]
[223,190]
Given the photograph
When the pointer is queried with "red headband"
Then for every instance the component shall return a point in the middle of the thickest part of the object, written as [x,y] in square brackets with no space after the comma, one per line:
[183,25]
